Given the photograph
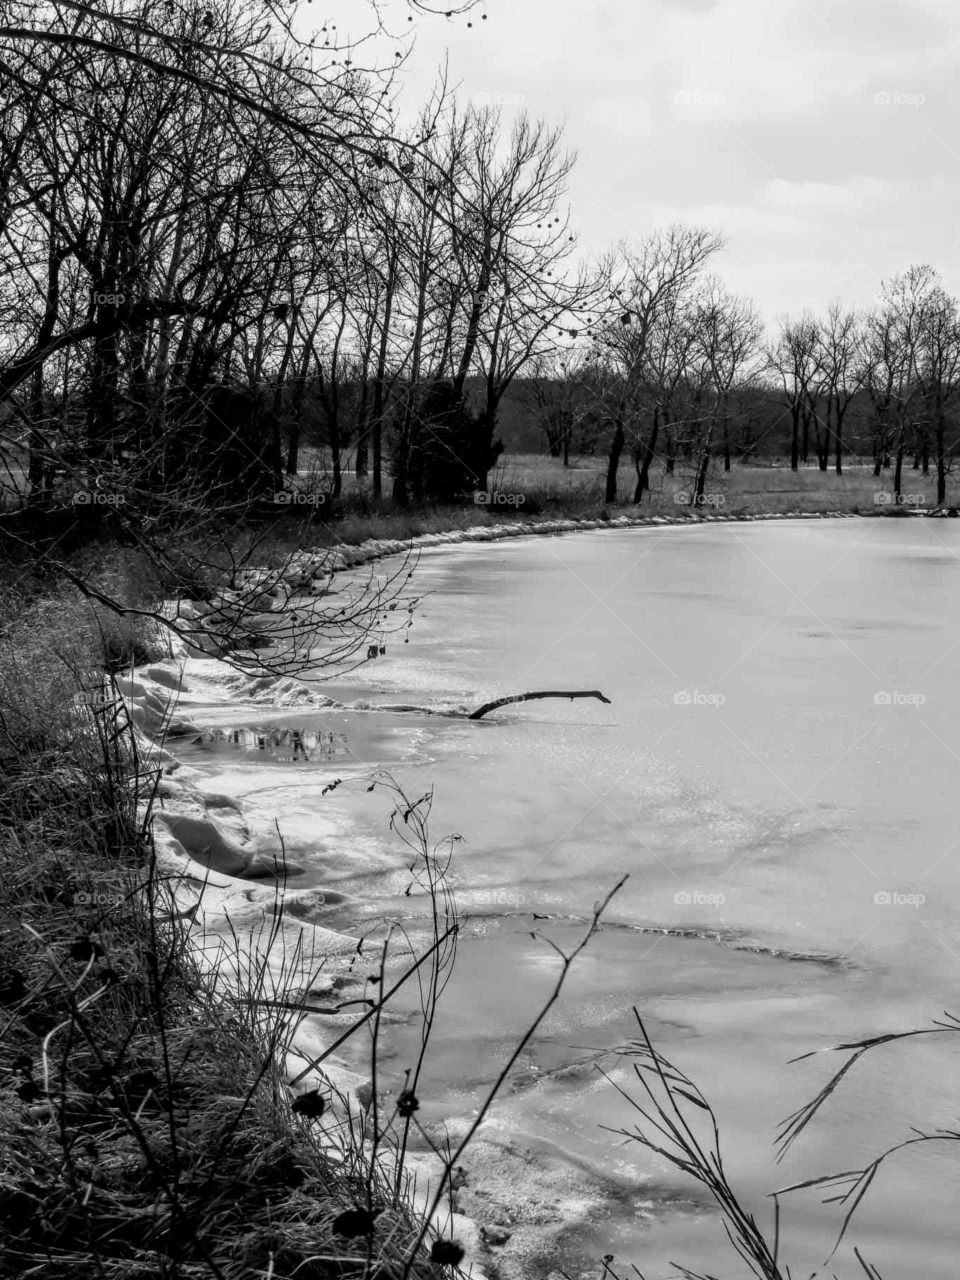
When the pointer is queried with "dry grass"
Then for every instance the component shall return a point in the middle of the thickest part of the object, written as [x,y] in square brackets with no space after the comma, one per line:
[145,1128]
[756,490]
[551,490]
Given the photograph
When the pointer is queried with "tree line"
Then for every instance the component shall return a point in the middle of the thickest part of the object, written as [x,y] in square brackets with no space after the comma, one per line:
[686,370]
[220,249]
[216,241]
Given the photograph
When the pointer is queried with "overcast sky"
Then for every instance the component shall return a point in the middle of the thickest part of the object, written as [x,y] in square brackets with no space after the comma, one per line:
[823,138]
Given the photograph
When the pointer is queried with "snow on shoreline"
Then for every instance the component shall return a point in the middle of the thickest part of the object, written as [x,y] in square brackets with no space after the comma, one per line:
[228,874]
[306,562]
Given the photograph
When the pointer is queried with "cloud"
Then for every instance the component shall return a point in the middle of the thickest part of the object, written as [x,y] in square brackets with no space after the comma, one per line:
[797,58]
[852,197]
[821,190]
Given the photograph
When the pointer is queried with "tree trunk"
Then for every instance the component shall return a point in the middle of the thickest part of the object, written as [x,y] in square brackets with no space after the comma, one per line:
[613,463]
[276,452]
[898,469]
[879,451]
[823,442]
[700,482]
[794,437]
[476,311]
[360,466]
[400,457]
[293,449]
[703,466]
[104,383]
[38,494]
[376,429]
[488,426]
[376,434]
[647,454]
[400,492]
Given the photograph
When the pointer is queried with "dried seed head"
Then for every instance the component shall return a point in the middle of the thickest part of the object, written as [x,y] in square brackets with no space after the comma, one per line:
[448,1253]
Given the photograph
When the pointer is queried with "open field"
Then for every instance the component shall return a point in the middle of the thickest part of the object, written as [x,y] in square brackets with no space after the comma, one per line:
[544,482]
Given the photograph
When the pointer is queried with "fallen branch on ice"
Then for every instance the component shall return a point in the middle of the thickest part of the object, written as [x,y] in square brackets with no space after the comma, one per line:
[528,697]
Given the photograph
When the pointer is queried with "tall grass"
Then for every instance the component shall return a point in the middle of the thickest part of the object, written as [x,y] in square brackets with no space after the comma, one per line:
[674,1119]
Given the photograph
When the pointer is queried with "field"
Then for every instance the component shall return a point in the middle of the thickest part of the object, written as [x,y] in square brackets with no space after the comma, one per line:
[745,489]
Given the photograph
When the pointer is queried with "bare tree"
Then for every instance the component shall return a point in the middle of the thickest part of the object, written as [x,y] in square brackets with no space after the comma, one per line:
[645,282]
[838,343]
[938,368]
[890,354]
[671,342]
[792,358]
[728,333]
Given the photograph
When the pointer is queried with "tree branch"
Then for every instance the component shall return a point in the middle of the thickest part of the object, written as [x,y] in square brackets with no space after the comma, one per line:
[529,697]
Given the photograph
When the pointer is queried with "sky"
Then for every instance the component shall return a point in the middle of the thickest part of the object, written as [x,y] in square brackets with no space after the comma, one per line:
[823,138]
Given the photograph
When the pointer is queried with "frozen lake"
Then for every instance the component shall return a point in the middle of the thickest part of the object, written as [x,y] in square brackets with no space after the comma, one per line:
[777,775]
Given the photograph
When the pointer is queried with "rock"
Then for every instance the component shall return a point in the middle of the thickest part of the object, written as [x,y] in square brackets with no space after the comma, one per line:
[495,1235]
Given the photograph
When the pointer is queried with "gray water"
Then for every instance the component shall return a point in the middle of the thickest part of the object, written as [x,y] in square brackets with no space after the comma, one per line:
[776,773]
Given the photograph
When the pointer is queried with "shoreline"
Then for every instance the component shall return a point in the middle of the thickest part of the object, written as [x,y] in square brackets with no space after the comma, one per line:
[345,555]
[253,923]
